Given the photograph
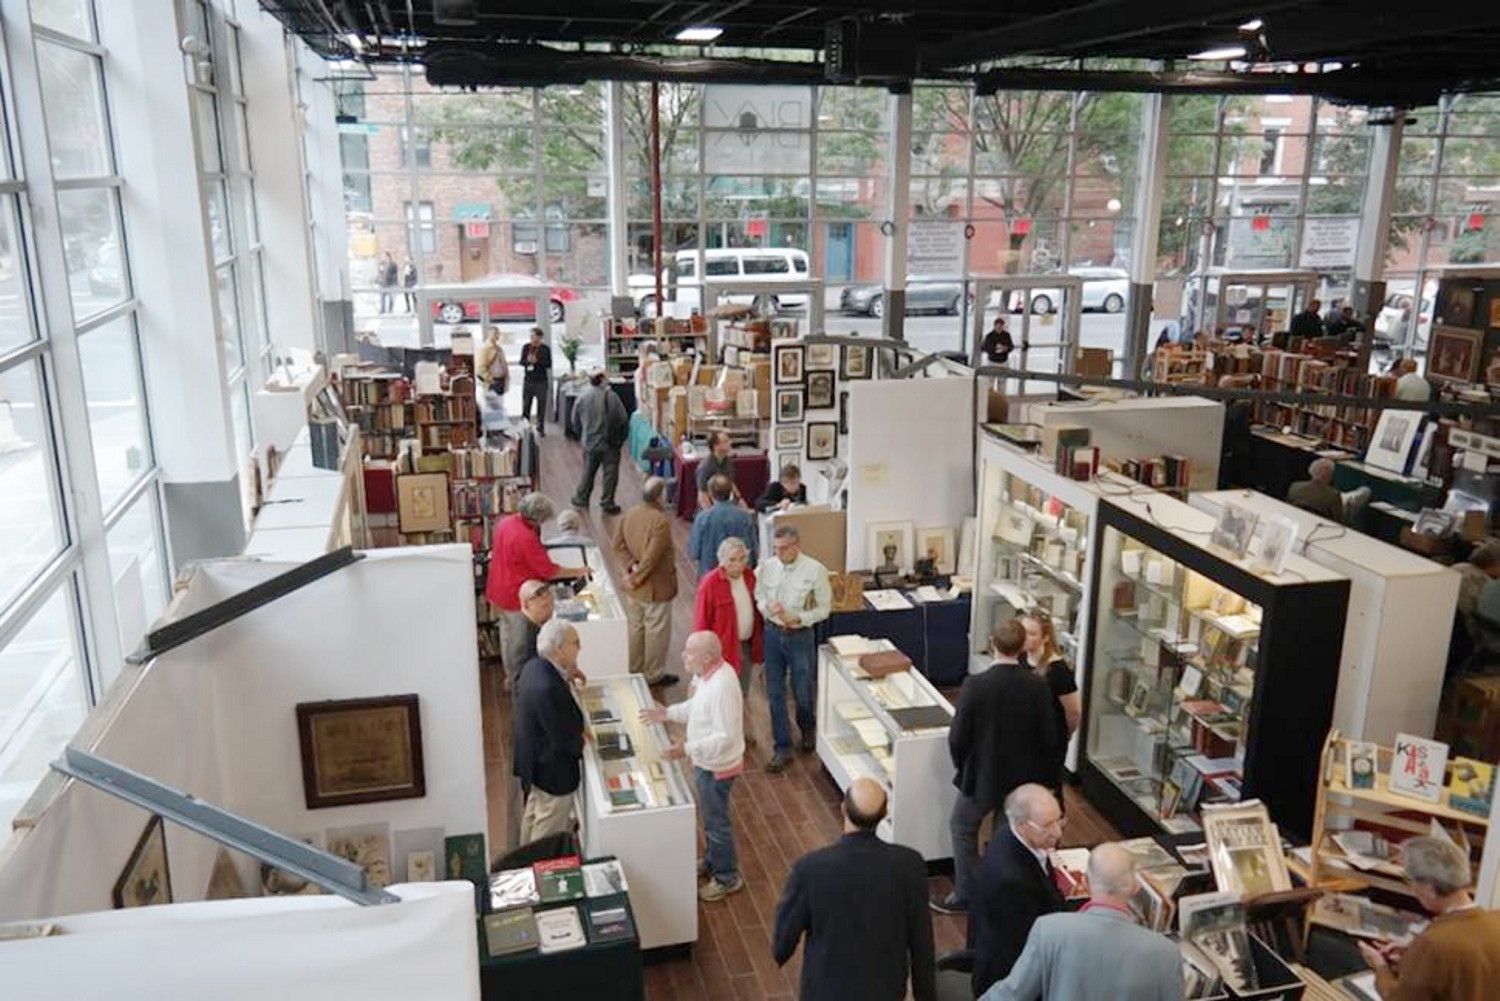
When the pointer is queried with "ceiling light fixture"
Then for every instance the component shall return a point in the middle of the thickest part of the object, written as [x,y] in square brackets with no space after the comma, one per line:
[702,34]
[1222,52]
[1254,24]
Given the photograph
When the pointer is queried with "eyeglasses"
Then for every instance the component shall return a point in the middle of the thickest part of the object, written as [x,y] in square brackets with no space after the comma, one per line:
[1058,824]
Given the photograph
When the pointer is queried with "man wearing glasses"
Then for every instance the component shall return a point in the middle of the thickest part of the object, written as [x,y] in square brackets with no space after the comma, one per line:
[1014,886]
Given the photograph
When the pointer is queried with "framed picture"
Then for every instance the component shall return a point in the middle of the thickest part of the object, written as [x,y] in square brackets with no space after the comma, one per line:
[889,544]
[224,882]
[820,389]
[856,362]
[368,847]
[789,364]
[1454,353]
[1361,762]
[822,356]
[1458,305]
[361,750]
[938,544]
[789,438]
[822,440]
[1273,540]
[788,406]
[843,413]
[1391,444]
[1495,311]
[146,879]
[784,459]
[422,502]
[1235,527]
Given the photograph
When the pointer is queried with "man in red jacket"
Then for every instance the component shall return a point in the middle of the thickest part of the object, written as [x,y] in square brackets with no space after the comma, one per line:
[725,606]
[516,556]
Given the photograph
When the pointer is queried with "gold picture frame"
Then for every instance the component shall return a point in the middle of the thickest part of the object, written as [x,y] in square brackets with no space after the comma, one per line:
[146,878]
[422,502]
[361,750]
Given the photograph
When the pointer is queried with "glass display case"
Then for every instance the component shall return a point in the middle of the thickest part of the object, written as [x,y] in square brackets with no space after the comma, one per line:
[1193,656]
[893,729]
[595,610]
[632,771]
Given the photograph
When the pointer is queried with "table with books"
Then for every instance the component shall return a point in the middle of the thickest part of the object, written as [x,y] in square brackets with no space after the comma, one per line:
[560,928]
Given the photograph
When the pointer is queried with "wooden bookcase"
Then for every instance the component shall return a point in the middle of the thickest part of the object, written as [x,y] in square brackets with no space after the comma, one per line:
[623,338]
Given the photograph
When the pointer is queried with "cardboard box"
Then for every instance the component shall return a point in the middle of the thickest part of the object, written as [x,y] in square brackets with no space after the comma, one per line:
[1095,363]
[997,408]
[823,533]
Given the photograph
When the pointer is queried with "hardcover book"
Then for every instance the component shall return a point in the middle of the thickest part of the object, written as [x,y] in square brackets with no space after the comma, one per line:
[610,924]
[513,888]
[559,930]
[1417,768]
[603,879]
[463,856]
[557,885]
[1471,787]
[510,931]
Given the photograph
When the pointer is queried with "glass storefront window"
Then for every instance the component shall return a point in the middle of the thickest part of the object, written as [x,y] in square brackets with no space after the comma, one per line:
[16,327]
[70,17]
[73,99]
[31,528]
[90,222]
[111,362]
[229,320]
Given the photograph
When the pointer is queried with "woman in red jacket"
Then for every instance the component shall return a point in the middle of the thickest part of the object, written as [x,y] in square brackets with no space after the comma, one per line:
[725,606]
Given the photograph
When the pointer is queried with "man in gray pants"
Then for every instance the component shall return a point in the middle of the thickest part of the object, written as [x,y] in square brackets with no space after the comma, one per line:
[603,425]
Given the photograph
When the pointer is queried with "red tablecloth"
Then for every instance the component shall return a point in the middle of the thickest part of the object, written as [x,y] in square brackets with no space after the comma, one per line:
[752,471]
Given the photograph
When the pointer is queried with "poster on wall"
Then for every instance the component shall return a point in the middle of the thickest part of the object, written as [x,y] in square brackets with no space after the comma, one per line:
[1328,243]
[756,129]
[935,247]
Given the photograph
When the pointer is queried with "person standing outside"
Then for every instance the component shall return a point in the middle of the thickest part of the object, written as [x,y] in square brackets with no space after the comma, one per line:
[793,595]
[603,427]
[548,742]
[858,904]
[517,555]
[385,277]
[713,525]
[409,282]
[536,380]
[719,462]
[715,745]
[1046,661]
[1003,735]
[725,606]
[1100,953]
[997,344]
[1013,885]
[643,541]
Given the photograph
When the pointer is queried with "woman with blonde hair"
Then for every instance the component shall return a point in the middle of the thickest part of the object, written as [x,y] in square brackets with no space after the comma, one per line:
[1042,656]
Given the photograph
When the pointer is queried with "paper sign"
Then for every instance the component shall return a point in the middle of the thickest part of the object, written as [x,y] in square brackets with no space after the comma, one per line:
[1417,768]
[874,474]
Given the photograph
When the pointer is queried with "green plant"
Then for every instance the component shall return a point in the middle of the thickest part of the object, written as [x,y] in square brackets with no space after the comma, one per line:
[570,347]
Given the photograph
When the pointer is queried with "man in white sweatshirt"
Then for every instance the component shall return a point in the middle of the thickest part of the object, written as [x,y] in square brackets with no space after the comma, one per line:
[715,744]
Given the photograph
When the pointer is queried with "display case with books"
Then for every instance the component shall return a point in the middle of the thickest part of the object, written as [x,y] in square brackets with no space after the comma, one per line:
[1207,681]
[595,608]
[637,805]
[890,725]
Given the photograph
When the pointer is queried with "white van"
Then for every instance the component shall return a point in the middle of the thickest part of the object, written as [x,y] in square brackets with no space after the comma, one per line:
[752,264]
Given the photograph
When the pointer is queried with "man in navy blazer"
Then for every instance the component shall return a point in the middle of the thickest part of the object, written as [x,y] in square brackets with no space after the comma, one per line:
[1014,884]
[548,733]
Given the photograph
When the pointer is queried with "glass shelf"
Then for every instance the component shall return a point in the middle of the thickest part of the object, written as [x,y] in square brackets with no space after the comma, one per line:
[642,779]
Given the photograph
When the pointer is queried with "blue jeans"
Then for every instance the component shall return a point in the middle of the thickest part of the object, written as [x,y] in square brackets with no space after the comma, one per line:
[718,832]
[789,651]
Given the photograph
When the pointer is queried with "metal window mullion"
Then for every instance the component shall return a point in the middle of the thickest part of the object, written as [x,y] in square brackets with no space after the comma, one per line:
[18,356]
[701,267]
[88,183]
[18,612]
[1300,223]
[41,33]
[1440,143]
[977,320]
[130,496]
[538,173]
[811,240]
[96,320]
[12,187]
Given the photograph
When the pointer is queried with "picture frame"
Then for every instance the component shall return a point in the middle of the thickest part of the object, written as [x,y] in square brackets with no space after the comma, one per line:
[880,535]
[1391,444]
[422,502]
[224,882]
[1453,353]
[361,750]
[789,406]
[820,389]
[367,846]
[1495,311]
[784,459]
[789,437]
[822,356]
[938,544]
[822,440]
[1361,763]
[1272,543]
[1234,529]
[855,362]
[146,878]
[790,363]
[1458,305]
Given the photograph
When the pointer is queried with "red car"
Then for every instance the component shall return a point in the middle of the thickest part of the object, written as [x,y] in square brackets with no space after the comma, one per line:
[504,309]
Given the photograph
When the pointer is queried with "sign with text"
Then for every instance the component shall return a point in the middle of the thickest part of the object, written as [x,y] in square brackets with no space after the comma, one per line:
[935,247]
[1328,243]
[757,129]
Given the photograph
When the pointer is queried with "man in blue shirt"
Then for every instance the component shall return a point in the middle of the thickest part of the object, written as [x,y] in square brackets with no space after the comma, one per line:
[713,525]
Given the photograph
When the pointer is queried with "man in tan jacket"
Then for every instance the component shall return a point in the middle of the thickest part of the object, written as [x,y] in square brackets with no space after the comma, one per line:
[644,542]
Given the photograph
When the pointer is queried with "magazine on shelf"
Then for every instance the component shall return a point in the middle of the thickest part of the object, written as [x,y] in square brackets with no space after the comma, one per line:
[602,879]
[1471,786]
[1244,848]
[1417,766]
[1368,851]
[1364,918]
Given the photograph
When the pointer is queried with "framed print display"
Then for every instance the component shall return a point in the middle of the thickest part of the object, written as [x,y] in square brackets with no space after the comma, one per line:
[146,879]
[1495,311]
[822,356]
[368,847]
[1458,305]
[938,544]
[1271,542]
[820,389]
[889,544]
[789,364]
[1417,766]
[422,502]
[1361,762]
[1454,353]
[224,882]
[1391,444]
[789,438]
[788,406]
[361,750]
[1234,530]
[856,362]
[784,459]
[822,441]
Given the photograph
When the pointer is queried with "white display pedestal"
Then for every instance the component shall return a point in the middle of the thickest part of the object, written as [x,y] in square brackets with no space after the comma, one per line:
[917,774]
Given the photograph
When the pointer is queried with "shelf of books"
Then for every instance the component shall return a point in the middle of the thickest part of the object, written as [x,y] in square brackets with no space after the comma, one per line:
[1346,427]
[1206,681]
[623,338]
[638,806]
[891,727]
[556,905]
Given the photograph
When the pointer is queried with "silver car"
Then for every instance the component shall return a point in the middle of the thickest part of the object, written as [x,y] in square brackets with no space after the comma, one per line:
[923,295]
[1106,289]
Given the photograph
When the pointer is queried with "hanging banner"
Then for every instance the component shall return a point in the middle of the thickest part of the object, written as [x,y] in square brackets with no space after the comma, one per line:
[935,247]
[756,129]
[1328,243]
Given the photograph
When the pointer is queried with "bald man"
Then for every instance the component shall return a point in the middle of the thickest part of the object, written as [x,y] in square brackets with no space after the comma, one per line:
[1100,953]
[1013,886]
[862,904]
[715,744]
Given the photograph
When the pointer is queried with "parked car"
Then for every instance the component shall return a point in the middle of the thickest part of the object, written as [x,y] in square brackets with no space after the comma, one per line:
[923,295]
[1391,321]
[460,311]
[1106,289]
[753,264]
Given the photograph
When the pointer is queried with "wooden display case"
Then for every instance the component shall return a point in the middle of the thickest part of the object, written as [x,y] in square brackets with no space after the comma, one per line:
[1203,676]
[858,735]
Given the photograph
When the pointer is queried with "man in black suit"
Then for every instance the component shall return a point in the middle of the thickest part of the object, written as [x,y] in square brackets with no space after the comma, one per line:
[860,903]
[548,733]
[1308,323]
[1014,884]
[1004,734]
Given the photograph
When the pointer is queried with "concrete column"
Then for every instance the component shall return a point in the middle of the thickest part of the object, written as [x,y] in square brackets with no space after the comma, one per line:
[898,211]
[616,194]
[1150,184]
[1368,292]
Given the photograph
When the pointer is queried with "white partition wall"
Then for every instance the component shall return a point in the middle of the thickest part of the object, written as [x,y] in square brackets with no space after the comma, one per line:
[1146,427]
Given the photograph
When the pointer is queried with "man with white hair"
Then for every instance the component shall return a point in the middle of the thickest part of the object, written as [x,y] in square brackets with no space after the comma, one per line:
[1100,953]
[1013,886]
[1318,494]
[516,556]
[548,727]
[715,744]
[1458,956]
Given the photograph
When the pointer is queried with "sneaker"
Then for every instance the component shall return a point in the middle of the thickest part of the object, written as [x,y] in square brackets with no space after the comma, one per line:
[715,890]
[777,763]
[581,505]
[665,679]
[809,742]
[949,905]
[610,509]
[703,871]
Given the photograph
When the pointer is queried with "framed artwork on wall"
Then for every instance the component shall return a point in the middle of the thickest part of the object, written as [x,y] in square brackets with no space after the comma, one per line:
[789,439]
[788,406]
[1458,305]
[789,364]
[843,413]
[361,750]
[820,389]
[938,544]
[784,459]
[1454,353]
[422,502]
[822,356]
[822,441]
[856,362]
[1495,311]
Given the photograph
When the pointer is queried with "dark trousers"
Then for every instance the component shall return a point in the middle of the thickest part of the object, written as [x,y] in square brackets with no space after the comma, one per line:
[594,457]
[535,391]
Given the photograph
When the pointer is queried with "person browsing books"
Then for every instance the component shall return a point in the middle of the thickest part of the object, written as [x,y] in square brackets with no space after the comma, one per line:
[548,743]
[1013,885]
[643,541]
[715,745]
[858,908]
[1100,953]
[1457,958]
[784,491]
[718,462]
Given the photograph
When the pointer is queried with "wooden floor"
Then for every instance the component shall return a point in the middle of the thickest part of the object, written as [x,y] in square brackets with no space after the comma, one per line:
[777,818]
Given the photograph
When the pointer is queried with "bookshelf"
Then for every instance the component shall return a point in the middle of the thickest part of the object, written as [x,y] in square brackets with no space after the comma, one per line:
[1346,427]
[380,405]
[623,338]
